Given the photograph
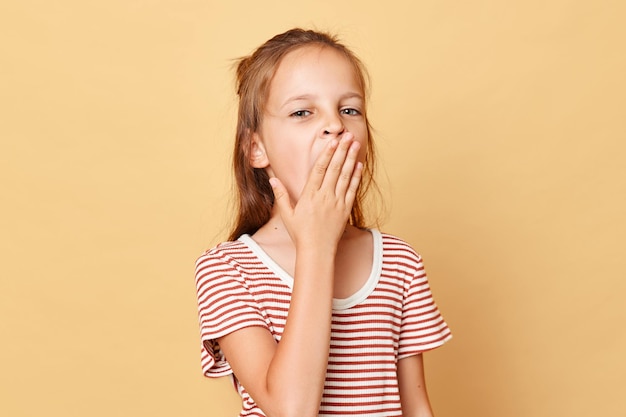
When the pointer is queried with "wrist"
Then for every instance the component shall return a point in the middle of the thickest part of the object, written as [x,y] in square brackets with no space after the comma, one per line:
[316,251]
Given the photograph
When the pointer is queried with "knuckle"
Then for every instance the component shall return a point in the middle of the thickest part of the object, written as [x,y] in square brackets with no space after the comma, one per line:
[278,194]
[335,166]
[319,169]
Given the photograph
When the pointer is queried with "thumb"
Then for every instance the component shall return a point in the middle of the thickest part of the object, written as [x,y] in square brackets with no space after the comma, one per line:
[281,196]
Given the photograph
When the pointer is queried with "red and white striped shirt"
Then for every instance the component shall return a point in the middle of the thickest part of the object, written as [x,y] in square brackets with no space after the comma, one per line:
[391,317]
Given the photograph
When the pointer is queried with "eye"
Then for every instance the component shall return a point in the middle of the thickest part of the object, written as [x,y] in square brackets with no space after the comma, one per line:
[350,112]
[300,113]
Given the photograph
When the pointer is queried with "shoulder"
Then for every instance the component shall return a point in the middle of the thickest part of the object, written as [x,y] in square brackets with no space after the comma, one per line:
[228,248]
[221,258]
[396,247]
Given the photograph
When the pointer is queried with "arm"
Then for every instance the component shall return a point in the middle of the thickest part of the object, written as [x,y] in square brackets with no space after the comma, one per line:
[287,379]
[412,384]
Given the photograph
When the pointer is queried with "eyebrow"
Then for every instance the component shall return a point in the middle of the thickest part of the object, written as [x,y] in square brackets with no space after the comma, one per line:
[311,96]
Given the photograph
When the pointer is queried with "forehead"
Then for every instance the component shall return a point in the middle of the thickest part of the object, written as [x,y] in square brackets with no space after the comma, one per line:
[313,53]
[313,67]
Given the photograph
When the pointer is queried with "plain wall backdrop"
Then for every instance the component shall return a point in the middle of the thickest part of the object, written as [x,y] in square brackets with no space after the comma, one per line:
[501,127]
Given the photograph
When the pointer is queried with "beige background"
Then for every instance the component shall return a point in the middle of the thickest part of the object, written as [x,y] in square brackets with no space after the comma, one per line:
[502,128]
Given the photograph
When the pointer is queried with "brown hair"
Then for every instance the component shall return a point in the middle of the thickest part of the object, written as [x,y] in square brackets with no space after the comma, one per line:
[254,196]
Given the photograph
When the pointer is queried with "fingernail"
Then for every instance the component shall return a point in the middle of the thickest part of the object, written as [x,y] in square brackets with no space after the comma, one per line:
[273,182]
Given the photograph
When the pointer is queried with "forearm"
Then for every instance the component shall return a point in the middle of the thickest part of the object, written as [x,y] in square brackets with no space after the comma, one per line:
[297,372]
[412,384]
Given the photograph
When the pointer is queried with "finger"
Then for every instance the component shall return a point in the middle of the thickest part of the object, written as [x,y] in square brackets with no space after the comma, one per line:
[347,170]
[318,172]
[281,197]
[354,185]
[336,164]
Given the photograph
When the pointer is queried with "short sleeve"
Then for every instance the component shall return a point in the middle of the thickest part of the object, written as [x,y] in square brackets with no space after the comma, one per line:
[225,305]
[422,327]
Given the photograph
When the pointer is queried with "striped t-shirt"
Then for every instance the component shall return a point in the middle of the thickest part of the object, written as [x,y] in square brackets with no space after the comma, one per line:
[391,317]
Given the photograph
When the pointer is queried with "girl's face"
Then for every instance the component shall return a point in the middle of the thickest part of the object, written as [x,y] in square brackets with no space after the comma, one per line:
[314,97]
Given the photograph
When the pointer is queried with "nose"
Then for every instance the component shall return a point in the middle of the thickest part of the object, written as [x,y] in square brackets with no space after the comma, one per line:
[333,126]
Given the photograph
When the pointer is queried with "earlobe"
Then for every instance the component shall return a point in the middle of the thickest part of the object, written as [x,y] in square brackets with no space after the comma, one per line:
[258,157]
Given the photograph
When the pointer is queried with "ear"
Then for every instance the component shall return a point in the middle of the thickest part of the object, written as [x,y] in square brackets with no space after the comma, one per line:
[257,155]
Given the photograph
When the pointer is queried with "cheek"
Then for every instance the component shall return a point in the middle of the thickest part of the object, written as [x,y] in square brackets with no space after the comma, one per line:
[363,150]
[316,151]
[360,132]
[362,154]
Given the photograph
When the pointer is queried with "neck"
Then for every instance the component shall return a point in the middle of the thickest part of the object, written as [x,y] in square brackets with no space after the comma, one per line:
[274,230]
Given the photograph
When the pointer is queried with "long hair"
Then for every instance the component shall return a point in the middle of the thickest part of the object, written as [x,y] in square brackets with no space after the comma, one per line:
[254,196]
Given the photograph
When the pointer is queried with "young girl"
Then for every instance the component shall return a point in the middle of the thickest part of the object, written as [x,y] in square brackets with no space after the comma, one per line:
[311,313]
